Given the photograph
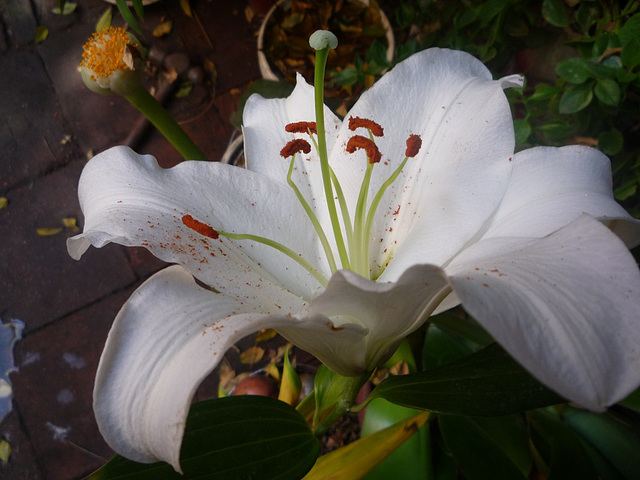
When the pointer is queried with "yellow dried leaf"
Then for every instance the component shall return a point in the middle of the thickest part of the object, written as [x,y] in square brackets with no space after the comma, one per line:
[252,355]
[42,33]
[47,232]
[70,222]
[266,334]
[3,202]
[186,8]
[5,452]
[272,371]
[162,29]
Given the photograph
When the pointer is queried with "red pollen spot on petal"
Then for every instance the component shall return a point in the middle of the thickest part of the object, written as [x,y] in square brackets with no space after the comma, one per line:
[359,142]
[414,142]
[201,228]
[295,146]
[373,127]
[302,127]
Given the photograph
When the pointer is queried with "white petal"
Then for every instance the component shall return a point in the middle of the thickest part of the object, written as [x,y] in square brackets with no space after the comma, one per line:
[457,180]
[128,199]
[567,307]
[551,187]
[264,122]
[356,324]
[168,336]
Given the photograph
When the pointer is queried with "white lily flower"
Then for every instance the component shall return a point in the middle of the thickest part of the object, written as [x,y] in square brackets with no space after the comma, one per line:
[532,245]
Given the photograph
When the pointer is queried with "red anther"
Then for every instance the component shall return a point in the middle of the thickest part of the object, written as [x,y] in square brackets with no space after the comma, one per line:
[414,142]
[201,228]
[359,142]
[373,127]
[295,146]
[301,127]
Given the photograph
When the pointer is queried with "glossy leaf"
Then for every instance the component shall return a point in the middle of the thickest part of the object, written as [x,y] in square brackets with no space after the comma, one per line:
[576,98]
[232,438]
[486,383]
[565,455]
[357,459]
[475,452]
[411,460]
[608,92]
[614,440]
[555,12]
[573,70]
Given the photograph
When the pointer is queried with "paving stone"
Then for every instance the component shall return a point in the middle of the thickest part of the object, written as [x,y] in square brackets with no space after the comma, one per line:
[53,389]
[39,282]
[22,463]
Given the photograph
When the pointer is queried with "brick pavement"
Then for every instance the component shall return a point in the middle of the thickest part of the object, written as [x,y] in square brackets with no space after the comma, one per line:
[49,125]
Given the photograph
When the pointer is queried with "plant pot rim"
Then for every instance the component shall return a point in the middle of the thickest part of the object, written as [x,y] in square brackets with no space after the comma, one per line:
[269,73]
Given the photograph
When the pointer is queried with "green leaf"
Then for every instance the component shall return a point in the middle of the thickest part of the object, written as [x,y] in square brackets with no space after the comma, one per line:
[65,9]
[232,438]
[564,452]
[630,55]
[544,92]
[614,440]
[611,142]
[348,76]
[405,13]
[477,455]
[555,12]
[555,129]
[441,348]
[139,8]
[358,458]
[125,11]
[410,461]
[608,92]
[522,130]
[632,400]
[576,98]
[630,30]
[486,383]
[573,70]
[42,33]
[105,20]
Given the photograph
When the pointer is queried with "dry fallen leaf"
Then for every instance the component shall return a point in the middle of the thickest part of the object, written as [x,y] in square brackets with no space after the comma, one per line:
[47,232]
[252,355]
[162,29]
[266,334]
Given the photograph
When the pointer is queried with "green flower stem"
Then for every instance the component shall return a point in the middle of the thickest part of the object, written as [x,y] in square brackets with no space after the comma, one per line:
[321,61]
[140,98]
[281,248]
[361,256]
[314,220]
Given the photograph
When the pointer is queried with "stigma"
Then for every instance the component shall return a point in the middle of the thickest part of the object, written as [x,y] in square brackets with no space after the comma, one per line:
[107,51]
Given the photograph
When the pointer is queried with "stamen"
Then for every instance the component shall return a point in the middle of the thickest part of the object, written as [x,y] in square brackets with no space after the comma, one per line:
[201,228]
[295,146]
[359,142]
[107,51]
[414,142]
[373,127]
[302,127]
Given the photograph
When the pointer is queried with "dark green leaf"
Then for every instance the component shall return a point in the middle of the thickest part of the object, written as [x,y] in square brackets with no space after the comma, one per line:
[510,436]
[410,461]
[441,348]
[125,11]
[630,55]
[475,451]
[630,30]
[522,130]
[405,14]
[555,12]
[588,14]
[615,441]
[544,92]
[486,383]
[377,53]
[555,129]
[347,77]
[576,98]
[632,400]
[461,326]
[608,92]
[611,142]
[139,8]
[564,452]
[233,438]
[573,70]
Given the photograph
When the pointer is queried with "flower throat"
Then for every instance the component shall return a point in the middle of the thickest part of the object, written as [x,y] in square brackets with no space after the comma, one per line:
[351,234]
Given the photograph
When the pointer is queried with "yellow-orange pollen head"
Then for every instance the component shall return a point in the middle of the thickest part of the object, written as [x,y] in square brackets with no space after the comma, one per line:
[107,51]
